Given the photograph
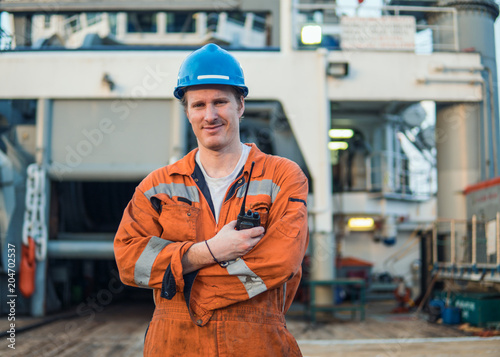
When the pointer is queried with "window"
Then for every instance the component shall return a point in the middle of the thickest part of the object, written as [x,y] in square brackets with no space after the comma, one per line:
[237,17]
[141,22]
[181,22]
[259,22]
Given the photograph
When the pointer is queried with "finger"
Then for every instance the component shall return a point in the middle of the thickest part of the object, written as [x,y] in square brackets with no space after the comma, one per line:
[231,224]
[256,231]
[258,238]
[254,242]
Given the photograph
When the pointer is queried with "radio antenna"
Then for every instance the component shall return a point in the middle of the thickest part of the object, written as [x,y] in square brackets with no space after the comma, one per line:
[242,211]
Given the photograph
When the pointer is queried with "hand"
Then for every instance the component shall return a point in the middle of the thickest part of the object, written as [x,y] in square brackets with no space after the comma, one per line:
[230,244]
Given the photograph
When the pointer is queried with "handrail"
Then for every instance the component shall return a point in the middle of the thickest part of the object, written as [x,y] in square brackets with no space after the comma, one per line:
[390,175]
[473,263]
[396,10]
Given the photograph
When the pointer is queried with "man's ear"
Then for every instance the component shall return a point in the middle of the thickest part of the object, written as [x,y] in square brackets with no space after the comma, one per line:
[187,116]
[242,106]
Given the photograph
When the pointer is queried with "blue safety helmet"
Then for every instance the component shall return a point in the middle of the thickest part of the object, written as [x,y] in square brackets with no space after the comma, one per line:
[210,65]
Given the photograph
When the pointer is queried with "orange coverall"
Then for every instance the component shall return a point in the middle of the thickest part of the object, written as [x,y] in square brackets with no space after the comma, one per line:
[215,311]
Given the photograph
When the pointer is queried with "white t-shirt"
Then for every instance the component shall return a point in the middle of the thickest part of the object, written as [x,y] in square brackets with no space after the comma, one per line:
[218,186]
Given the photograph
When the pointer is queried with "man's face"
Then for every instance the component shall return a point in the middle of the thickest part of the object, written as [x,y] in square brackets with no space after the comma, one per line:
[214,114]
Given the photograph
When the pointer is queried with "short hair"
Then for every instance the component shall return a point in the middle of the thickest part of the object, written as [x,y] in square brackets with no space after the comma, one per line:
[235,90]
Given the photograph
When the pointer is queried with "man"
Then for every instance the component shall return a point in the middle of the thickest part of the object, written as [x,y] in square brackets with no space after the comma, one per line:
[218,291]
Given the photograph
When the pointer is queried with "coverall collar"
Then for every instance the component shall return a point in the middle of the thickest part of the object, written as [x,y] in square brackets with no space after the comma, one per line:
[186,166]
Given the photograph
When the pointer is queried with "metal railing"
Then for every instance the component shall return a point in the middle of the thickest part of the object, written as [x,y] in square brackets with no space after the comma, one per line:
[391,174]
[332,28]
[459,244]
[388,173]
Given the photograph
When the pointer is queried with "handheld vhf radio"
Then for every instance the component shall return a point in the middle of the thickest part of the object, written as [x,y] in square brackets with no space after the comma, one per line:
[249,219]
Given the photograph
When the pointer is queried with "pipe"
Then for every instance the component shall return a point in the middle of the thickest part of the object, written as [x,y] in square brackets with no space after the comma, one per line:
[498,238]
[424,80]
[474,239]
[368,168]
[485,119]
[395,8]
[452,243]
[492,118]
[468,265]
[434,243]
[486,136]
[472,69]
[455,30]
[442,68]
[80,249]
[485,109]
[89,236]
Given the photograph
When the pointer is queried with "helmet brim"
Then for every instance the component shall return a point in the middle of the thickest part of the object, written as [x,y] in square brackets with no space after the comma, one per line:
[180,91]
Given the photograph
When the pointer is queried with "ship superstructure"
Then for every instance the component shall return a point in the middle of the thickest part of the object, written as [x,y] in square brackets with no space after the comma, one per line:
[389,109]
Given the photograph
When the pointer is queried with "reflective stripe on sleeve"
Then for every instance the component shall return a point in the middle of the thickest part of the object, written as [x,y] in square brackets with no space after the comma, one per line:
[254,285]
[144,264]
[174,189]
[262,187]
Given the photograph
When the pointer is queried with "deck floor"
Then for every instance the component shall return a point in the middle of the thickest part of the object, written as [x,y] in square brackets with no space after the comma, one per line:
[118,330]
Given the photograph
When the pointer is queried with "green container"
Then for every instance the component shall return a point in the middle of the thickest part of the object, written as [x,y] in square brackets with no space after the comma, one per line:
[478,309]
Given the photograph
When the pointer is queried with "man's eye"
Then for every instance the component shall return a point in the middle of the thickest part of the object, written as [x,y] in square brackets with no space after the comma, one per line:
[220,102]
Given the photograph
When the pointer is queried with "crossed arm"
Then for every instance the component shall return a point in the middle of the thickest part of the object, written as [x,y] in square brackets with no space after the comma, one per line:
[143,257]
[228,244]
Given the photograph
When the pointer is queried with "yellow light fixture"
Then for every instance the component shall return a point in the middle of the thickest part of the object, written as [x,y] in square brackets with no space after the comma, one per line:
[337,145]
[311,35]
[340,133]
[361,224]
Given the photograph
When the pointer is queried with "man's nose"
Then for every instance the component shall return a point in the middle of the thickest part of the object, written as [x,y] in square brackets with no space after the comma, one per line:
[210,112]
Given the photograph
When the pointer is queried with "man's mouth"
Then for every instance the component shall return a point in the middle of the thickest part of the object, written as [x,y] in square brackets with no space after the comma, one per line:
[212,128]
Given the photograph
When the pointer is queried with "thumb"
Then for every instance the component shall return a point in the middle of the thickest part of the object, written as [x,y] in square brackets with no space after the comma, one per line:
[231,225]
